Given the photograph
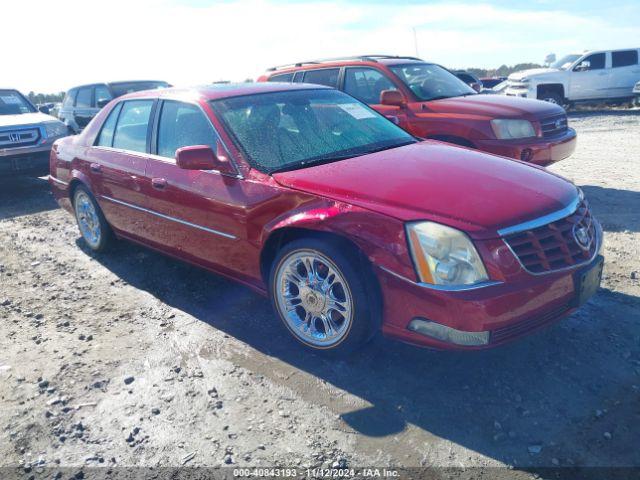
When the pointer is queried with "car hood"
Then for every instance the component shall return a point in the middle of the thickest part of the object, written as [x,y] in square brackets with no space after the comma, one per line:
[466,189]
[24,119]
[493,106]
[532,72]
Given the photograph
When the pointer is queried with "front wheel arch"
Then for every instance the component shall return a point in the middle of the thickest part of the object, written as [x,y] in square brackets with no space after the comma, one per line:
[335,249]
[282,236]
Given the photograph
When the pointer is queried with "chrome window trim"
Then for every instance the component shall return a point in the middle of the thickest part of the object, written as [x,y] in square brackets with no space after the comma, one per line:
[213,127]
[544,220]
[173,219]
[444,288]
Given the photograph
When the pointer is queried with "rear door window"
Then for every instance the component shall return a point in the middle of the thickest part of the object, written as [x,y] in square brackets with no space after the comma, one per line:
[84,98]
[133,122]
[183,125]
[326,76]
[366,84]
[624,58]
[105,139]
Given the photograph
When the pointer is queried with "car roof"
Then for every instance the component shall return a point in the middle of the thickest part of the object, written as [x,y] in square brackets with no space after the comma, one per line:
[114,83]
[219,91]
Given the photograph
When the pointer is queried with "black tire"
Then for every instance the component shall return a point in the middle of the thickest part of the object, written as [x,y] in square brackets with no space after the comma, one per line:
[105,238]
[551,97]
[366,304]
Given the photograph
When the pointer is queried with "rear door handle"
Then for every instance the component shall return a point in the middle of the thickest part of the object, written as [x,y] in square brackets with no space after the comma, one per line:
[158,183]
[95,168]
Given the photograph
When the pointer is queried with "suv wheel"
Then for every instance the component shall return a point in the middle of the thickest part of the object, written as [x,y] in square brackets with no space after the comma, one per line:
[551,97]
[321,297]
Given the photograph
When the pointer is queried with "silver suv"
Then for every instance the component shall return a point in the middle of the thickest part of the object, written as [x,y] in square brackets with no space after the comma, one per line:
[26,135]
[82,103]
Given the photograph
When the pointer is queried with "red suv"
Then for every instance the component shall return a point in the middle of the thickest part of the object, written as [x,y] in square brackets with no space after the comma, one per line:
[429,101]
[346,221]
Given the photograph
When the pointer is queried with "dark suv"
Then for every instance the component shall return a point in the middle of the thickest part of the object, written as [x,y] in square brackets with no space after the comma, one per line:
[82,103]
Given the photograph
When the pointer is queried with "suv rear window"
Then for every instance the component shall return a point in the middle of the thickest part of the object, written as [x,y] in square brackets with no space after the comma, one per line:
[624,58]
[326,76]
[122,88]
[70,98]
[84,98]
[282,77]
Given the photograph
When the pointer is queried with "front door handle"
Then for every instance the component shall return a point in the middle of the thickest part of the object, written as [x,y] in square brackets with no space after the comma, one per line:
[95,168]
[158,183]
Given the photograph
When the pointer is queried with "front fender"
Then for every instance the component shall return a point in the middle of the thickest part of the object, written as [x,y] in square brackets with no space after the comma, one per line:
[380,238]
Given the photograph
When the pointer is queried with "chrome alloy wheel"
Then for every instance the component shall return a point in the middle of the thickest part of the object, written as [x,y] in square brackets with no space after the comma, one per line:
[313,298]
[88,219]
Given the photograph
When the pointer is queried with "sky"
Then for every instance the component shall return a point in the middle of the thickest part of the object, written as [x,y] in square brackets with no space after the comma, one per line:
[55,45]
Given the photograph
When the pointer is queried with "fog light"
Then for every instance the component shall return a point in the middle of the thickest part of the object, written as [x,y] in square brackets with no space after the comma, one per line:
[448,334]
[526,155]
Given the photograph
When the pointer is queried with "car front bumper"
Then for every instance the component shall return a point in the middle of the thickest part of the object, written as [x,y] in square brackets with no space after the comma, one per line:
[33,160]
[506,311]
[540,151]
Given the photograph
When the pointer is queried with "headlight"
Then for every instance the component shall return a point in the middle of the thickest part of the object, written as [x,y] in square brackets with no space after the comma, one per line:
[506,129]
[444,255]
[56,129]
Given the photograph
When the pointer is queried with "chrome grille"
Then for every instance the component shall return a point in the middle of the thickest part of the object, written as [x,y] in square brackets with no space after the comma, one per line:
[555,125]
[555,246]
[19,137]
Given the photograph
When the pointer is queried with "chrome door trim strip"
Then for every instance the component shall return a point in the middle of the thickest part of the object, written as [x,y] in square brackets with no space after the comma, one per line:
[173,219]
[544,220]
[58,181]
[443,288]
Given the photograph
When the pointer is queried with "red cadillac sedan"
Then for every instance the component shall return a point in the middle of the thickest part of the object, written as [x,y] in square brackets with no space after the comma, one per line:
[347,222]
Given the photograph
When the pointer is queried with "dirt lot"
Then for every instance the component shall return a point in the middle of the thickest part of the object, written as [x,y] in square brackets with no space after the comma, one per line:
[134,359]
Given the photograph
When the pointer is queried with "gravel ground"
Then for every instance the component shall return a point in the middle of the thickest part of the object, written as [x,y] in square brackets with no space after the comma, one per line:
[134,359]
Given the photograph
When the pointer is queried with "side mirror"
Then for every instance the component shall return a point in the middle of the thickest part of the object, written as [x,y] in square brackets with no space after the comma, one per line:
[103,102]
[392,98]
[201,157]
[44,109]
[585,65]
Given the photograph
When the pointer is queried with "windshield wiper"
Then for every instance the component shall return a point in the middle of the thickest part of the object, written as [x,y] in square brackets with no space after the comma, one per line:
[336,158]
[440,97]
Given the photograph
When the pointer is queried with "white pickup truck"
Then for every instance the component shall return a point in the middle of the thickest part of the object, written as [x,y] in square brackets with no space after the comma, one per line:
[593,76]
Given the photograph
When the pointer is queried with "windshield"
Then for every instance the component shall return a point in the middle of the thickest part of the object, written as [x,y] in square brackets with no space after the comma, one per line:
[13,103]
[431,82]
[298,128]
[123,88]
[565,62]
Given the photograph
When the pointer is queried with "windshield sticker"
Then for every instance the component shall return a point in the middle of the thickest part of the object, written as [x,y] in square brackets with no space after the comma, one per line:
[357,111]
[10,100]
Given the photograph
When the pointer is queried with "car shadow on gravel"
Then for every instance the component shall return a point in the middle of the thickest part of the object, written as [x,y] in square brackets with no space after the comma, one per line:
[24,196]
[617,209]
[567,395]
